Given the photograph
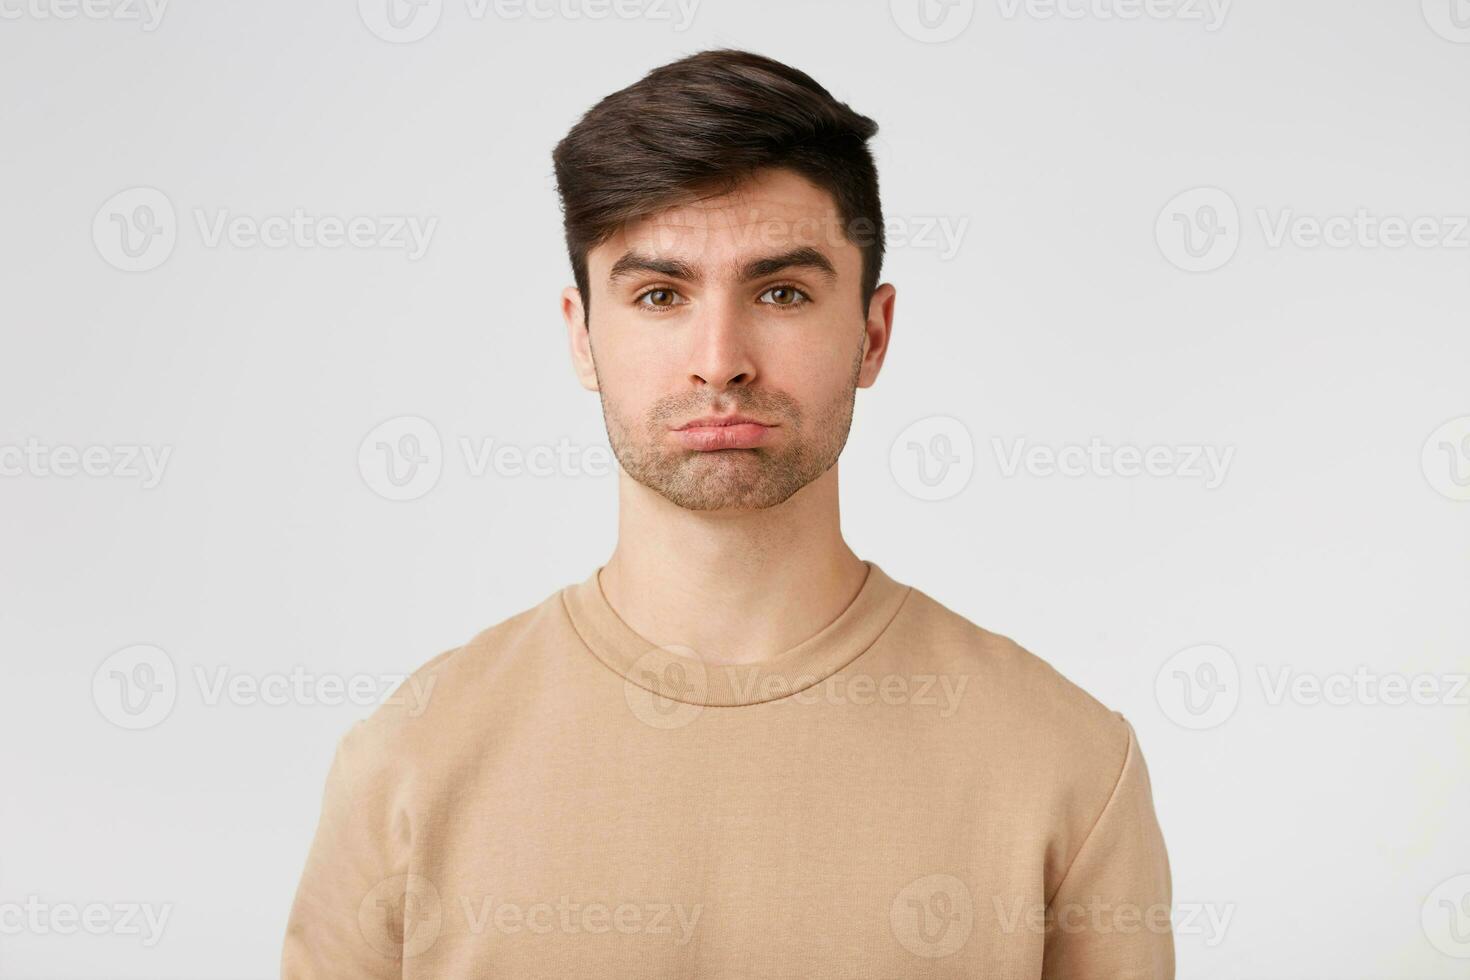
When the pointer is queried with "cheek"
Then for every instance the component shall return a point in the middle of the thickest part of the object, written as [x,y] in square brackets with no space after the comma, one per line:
[813,363]
[634,369]
[633,359]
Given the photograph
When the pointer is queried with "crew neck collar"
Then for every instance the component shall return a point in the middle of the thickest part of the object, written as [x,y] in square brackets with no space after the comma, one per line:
[679,674]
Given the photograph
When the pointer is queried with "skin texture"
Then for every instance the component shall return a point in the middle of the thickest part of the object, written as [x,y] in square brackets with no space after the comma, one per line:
[705,537]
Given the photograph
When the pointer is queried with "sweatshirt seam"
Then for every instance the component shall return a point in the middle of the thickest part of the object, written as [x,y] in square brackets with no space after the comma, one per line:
[592,650]
[836,670]
[1107,804]
[586,643]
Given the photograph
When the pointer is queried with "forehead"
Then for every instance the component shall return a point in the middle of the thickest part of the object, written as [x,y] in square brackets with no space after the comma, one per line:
[774,211]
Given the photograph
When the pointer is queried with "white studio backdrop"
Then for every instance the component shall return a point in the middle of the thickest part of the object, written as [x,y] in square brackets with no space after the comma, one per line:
[1177,398]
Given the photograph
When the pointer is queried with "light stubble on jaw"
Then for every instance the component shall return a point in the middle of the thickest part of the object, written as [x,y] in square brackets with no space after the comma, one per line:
[744,479]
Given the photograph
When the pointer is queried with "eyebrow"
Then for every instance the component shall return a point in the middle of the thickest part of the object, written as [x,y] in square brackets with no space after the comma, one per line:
[804,257]
[635,262]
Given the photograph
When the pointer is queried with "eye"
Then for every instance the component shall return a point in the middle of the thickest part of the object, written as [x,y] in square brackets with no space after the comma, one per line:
[659,299]
[787,296]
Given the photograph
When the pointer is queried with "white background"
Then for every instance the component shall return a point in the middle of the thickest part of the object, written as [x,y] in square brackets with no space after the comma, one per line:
[1334,542]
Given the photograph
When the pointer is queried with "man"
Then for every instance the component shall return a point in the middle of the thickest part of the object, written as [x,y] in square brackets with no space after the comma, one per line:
[735,749]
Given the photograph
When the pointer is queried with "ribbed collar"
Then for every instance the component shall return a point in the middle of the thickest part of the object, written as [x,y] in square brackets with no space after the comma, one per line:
[678,673]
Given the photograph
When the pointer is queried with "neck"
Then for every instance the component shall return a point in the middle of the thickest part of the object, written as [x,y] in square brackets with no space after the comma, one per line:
[735,587]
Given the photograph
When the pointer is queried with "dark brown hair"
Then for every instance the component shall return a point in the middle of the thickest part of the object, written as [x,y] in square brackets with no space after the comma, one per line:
[711,120]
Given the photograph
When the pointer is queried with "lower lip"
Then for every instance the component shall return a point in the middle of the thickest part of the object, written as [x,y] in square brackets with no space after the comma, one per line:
[745,435]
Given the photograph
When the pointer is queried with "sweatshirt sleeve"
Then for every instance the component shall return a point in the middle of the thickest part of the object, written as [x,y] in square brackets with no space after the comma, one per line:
[1110,916]
[354,909]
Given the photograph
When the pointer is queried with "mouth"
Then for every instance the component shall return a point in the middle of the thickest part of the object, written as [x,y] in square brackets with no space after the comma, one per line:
[717,432]
[719,421]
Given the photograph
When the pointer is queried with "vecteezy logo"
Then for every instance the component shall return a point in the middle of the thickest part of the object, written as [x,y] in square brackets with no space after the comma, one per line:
[135,688]
[934,458]
[1450,19]
[1446,458]
[1445,917]
[401,21]
[1199,230]
[1199,687]
[402,458]
[933,916]
[135,230]
[401,916]
[932,21]
[664,692]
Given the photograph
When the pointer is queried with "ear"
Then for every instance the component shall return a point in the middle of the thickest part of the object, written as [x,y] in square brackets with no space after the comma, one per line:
[578,339]
[877,331]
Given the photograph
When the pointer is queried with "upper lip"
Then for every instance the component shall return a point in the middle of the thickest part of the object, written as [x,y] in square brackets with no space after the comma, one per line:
[713,420]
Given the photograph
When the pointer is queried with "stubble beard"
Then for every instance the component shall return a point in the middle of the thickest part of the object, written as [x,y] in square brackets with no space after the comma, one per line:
[733,479]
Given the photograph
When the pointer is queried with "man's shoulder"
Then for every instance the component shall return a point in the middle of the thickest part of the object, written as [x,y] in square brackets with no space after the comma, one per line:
[1011,693]
[465,681]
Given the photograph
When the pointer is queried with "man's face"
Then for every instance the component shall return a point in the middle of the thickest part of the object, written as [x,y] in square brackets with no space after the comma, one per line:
[727,339]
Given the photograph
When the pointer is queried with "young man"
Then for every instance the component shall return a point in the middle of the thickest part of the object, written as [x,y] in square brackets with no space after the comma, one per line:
[736,749]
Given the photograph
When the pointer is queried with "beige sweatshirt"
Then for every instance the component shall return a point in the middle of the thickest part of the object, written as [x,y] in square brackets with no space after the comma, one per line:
[903,795]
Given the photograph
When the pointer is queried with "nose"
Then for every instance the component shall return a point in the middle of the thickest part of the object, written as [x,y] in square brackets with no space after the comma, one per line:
[721,356]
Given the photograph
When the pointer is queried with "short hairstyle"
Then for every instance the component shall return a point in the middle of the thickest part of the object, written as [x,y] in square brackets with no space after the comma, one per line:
[711,120]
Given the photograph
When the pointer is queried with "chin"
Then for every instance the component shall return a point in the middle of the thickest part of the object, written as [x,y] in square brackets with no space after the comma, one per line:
[717,494]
